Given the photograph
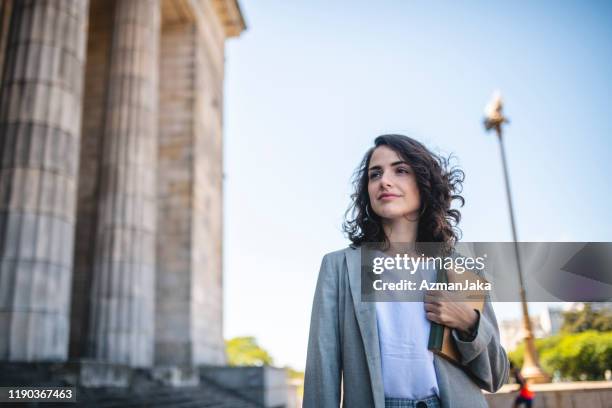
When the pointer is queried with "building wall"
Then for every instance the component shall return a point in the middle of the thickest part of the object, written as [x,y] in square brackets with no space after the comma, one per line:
[207,290]
[106,160]
[189,252]
[174,334]
[592,394]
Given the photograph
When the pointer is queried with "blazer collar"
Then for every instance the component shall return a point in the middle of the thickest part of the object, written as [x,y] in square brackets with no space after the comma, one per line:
[366,319]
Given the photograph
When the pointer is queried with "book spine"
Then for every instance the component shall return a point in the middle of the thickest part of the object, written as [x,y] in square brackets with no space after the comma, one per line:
[436,333]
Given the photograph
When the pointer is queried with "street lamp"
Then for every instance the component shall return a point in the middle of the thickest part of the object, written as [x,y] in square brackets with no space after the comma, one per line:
[531,370]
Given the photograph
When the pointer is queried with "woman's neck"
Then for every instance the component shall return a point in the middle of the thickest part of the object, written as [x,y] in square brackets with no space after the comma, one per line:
[401,230]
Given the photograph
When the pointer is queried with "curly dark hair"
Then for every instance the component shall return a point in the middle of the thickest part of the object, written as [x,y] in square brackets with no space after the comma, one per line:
[439,185]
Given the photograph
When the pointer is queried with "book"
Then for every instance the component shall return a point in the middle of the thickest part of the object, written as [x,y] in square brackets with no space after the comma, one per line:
[436,333]
[441,340]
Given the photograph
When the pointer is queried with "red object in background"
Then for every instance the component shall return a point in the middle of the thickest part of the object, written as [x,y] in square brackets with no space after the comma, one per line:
[525,392]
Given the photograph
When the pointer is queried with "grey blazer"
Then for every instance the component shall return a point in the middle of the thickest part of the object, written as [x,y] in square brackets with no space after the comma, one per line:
[343,349]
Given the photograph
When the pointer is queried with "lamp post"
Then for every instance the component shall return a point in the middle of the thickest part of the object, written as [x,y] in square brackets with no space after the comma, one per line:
[531,369]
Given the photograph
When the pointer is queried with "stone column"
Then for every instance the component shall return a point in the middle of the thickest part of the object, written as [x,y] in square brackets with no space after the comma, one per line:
[122,302]
[40,115]
[189,327]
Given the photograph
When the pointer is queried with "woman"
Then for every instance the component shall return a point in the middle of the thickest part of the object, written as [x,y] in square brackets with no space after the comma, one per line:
[525,395]
[377,352]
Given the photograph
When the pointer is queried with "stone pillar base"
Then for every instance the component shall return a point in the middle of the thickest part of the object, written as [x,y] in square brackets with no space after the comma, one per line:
[256,382]
[95,374]
[100,384]
[266,386]
[177,376]
[84,373]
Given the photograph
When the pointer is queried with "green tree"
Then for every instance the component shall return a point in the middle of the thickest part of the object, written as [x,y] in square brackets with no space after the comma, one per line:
[578,321]
[585,355]
[244,351]
[291,373]
[516,356]
[574,356]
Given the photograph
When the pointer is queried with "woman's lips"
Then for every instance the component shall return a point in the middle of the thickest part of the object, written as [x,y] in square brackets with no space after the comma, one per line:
[387,197]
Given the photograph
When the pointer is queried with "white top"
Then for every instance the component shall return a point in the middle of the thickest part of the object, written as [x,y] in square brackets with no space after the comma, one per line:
[403,333]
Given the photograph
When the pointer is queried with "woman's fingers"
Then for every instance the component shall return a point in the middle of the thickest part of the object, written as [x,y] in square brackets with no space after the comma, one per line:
[431,298]
[434,313]
[440,308]
[431,307]
[435,296]
[433,317]
[432,303]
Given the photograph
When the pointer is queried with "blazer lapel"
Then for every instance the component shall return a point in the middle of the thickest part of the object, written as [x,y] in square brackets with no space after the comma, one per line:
[366,319]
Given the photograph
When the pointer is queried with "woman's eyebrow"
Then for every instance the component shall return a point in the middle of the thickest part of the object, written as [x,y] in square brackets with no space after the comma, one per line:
[377,167]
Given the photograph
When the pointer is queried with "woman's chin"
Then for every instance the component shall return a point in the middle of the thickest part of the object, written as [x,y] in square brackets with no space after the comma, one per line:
[397,216]
[392,216]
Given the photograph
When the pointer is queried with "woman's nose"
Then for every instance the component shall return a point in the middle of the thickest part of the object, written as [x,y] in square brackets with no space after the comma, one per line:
[385,180]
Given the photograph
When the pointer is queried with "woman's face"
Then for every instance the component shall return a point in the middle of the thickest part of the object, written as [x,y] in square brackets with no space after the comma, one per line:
[392,186]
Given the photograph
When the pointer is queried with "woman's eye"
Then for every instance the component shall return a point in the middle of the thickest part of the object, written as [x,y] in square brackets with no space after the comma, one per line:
[374,175]
[403,170]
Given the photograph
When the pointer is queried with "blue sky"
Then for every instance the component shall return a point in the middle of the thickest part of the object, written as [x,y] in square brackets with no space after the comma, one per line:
[310,84]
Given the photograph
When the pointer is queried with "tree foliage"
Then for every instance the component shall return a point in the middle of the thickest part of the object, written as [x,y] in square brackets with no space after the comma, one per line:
[585,355]
[244,351]
[578,321]
[294,374]
[573,356]
[516,356]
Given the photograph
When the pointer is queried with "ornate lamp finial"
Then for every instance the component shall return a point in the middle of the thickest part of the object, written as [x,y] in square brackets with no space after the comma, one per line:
[494,116]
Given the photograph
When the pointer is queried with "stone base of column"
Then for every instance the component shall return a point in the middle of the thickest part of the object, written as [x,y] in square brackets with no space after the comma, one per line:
[84,373]
[95,374]
[103,385]
[266,386]
[175,376]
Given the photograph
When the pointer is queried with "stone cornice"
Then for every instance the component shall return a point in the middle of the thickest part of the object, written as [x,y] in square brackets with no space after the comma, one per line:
[228,12]
[231,17]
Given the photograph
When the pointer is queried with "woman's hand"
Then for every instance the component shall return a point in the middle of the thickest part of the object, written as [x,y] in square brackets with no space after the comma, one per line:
[445,308]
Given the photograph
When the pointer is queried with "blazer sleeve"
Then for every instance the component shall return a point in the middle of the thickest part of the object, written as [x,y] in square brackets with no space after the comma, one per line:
[323,359]
[483,356]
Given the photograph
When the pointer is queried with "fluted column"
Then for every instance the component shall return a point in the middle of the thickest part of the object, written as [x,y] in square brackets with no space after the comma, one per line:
[40,115]
[122,305]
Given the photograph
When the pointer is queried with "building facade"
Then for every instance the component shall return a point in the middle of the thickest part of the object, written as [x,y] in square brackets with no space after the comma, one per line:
[111,180]
[546,323]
